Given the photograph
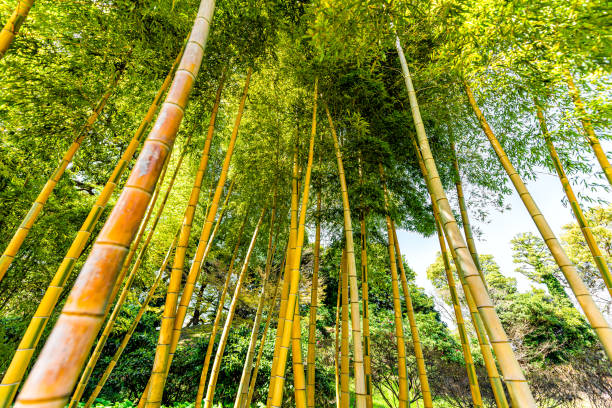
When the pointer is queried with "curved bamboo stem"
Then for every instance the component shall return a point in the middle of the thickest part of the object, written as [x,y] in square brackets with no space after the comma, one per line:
[242,392]
[12,26]
[132,328]
[57,368]
[19,364]
[213,333]
[93,359]
[360,387]
[590,309]
[28,221]
[600,261]
[587,126]
[517,384]
[212,382]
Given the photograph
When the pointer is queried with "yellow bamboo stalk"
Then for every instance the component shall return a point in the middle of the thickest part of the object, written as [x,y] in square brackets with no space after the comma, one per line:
[93,359]
[276,392]
[590,309]
[299,379]
[344,336]
[392,247]
[12,26]
[57,368]
[249,397]
[367,361]
[243,390]
[465,218]
[360,387]
[311,352]
[162,360]
[28,221]
[16,370]
[314,300]
[515,380]
[337,333]
[212,382]
[587,126]
[485,348]
[213,333]
[132,328]
[600,261]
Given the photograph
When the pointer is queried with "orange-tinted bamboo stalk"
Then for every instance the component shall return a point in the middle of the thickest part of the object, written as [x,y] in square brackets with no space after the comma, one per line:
[360,387]
[212,382]
[93,359]
[599,259]
[515,379]
[587,126]
[132,328]
[580,290]
[57,368]
[12,26]
[215,326]
[19,363]
[164,346]
[28,221]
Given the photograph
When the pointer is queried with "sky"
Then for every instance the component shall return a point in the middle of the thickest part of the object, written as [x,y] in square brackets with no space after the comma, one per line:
[419,252]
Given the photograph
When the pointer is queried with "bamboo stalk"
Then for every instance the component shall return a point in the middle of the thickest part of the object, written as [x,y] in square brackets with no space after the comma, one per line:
[132,328]
[16,370]
[485,348]
[30,218]
[12,26]
[93,359]
[337,332]
[581,292]
[166,338]
[212,382]
[360,387]
[587,126]
[249,397]
[276,393]
[299,379]
[515,380]
[344,336]
[600,261]
[57,368]
[213,333]
[242,392]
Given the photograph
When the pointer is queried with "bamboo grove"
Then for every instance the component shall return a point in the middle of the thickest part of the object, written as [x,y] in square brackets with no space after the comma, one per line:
[207,202]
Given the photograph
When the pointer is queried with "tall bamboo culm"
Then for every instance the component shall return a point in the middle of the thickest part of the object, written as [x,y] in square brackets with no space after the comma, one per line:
[336,339]
[12,26]
[242,392]
[262,343]
[132,328]
[515,380]
[110,323]
[167,331]
[215,326]
[600,261]
[314,295]
[28,221]
[345,396]
[57,368]
[360,387]
[485,348]
[587,126]
[293,277]
[590,309]
[19,363]
[212,382]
